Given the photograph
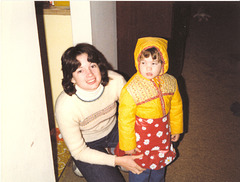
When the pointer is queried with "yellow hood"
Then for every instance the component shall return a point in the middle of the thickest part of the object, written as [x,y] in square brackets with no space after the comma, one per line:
[148,42]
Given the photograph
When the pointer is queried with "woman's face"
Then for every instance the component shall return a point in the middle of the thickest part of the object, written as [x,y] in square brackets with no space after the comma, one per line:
[88,75]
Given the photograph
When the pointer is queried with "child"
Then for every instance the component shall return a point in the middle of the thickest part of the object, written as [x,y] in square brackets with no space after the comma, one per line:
[150,111]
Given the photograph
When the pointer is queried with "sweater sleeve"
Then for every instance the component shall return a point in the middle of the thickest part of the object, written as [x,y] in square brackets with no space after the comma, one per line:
[72,136]
[119,82]
[126,121]
[176,113]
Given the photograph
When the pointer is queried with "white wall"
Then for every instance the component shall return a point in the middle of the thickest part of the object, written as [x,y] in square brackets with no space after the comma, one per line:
[95,22]
[26,153]
[81,22]
[104,29]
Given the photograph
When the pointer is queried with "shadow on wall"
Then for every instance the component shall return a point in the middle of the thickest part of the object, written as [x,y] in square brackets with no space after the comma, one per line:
[176,52]
[185,100]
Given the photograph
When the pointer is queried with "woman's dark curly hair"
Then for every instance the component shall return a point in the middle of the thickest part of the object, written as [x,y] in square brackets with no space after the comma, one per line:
[70,64]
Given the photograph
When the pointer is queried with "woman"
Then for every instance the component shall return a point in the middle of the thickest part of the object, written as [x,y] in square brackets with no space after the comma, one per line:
[86,114]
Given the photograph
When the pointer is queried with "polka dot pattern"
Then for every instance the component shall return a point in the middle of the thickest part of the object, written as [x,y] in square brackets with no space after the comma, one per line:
[153,139]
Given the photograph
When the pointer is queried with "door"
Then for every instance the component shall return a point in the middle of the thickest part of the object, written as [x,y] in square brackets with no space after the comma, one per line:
[155,19]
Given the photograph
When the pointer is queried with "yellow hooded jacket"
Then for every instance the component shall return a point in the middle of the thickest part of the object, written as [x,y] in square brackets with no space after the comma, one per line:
[139,97]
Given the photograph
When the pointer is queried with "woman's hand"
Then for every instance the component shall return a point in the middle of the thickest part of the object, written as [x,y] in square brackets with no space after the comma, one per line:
[128,163]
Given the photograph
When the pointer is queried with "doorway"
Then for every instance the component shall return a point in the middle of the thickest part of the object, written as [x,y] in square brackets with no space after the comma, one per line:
[138,19]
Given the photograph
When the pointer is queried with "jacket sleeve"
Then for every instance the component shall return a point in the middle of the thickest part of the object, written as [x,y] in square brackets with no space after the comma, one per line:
[126,121]
[176,113]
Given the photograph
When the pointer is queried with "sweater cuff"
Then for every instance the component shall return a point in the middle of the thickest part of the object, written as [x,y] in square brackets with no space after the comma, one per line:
[114,160]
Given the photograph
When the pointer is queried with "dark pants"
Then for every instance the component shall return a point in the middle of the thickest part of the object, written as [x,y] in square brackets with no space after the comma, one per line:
[101,173]
[148,176]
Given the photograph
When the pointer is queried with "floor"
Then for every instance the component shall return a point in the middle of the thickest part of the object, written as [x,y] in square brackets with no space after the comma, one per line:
[210,148]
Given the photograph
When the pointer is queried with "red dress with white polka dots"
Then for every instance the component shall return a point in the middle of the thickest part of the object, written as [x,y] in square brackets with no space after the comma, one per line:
[153,137]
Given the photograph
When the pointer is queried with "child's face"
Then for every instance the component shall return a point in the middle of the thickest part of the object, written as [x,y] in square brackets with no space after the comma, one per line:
[88,75]
[150,68]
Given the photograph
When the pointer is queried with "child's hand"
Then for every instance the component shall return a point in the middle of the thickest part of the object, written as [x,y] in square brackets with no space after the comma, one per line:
[174,138]
[134,151]
[130,152]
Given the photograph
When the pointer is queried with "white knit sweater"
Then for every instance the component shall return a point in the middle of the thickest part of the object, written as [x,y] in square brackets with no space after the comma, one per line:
[81,121]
